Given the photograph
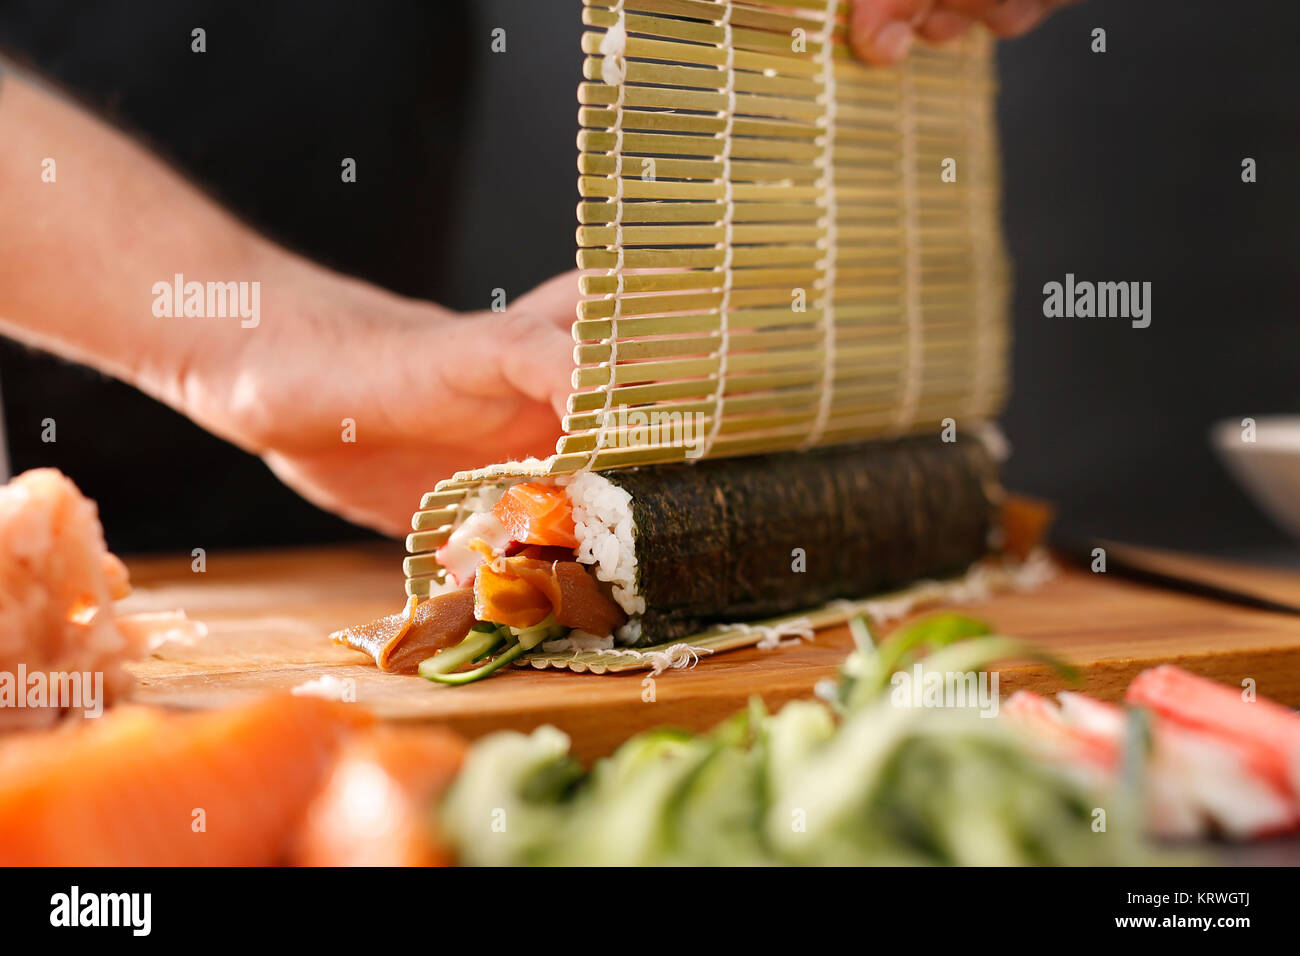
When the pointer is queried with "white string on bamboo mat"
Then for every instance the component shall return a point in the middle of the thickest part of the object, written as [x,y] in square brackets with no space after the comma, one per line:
[772,636]
[981,254]
[613,71]
[913,359]
[829,242]
[728,233]
[673,657]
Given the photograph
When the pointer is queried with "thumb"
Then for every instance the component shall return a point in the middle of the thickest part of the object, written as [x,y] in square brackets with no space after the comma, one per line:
[556,300]
[537,359]
[541,359]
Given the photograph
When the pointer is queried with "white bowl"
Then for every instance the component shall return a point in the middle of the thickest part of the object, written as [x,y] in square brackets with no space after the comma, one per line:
[1269,467]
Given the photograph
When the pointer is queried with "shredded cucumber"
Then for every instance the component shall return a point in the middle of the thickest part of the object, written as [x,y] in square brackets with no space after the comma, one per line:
[547,630]
[482,639]
[866,783]
[475,644]
[478,673]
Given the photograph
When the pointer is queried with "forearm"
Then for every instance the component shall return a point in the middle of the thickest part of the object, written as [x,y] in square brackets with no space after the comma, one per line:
[90,223]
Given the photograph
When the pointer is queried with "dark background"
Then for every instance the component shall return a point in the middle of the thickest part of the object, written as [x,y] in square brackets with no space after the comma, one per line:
[1118,166]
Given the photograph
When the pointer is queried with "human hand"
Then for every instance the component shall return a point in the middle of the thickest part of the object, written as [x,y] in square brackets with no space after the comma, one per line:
[429,392]
[882,31]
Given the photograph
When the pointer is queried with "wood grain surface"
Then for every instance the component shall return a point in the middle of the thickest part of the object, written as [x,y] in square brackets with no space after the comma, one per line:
[268,615]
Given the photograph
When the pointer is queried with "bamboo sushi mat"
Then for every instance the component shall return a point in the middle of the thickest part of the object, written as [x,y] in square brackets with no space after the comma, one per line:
[785,248]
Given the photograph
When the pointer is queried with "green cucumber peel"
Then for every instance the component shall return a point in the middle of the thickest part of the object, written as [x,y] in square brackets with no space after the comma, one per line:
[474,645]
[547,630]
[864,637]
[511,653]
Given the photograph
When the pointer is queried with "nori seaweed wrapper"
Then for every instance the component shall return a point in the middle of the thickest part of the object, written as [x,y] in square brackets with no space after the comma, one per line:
[718,541]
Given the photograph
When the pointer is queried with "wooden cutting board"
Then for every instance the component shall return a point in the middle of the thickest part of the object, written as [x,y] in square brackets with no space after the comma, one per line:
[268,614]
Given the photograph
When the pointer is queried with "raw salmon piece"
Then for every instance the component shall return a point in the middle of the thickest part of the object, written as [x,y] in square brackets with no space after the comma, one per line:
[398,642]
[1266,733]
[533,513]
[503,597]
[127,789]
[523,591]
[540,552]
[575,597]
[376,808]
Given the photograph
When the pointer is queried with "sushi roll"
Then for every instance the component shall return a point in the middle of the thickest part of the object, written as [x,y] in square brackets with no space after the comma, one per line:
[643,556]
[737,539]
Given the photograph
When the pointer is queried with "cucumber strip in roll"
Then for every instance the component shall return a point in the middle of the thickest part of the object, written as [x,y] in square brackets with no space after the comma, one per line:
[475,645]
